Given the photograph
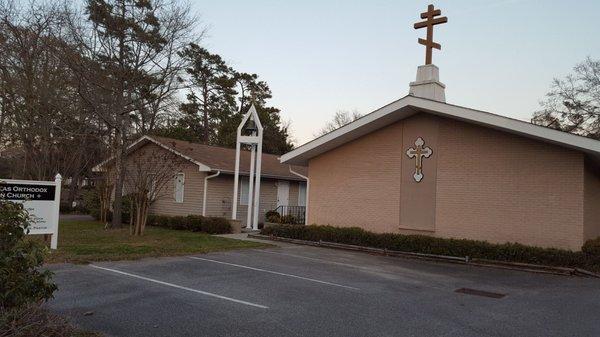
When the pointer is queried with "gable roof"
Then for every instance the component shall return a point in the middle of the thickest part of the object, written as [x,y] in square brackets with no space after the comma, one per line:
[213,158]
[410,105]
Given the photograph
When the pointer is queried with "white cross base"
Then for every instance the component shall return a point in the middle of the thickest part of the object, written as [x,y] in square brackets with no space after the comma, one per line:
[418,153]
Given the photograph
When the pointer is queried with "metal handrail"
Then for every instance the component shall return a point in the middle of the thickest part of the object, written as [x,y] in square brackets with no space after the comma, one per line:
[292,214]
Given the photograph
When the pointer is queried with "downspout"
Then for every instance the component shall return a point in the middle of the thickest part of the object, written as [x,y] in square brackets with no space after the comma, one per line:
[205,189]
[307,192]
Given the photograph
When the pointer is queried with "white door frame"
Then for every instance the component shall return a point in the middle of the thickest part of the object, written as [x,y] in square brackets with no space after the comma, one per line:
[283,193]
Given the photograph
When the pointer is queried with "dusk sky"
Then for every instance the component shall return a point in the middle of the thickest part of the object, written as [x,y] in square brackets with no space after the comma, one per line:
[323,56]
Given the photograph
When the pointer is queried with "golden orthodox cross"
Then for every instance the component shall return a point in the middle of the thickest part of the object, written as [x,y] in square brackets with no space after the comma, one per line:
[429,23]
[418,152]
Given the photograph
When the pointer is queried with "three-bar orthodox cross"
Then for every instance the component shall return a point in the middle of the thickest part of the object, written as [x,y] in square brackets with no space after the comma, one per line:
[429,23]
[419,152]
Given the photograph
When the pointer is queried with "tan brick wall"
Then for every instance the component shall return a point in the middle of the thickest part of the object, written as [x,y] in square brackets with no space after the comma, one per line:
[490,186]
[358,184]
[592,202]
[498,187]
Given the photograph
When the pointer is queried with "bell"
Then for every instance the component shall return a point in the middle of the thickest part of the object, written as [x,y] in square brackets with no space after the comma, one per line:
[251,127]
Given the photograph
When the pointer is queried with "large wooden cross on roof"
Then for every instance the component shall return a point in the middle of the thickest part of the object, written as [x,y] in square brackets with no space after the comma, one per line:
[429,23]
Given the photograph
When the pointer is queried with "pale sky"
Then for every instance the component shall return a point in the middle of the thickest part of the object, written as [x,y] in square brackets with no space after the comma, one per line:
[319,57]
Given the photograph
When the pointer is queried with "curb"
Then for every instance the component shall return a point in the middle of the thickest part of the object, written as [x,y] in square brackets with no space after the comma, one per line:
[527,267]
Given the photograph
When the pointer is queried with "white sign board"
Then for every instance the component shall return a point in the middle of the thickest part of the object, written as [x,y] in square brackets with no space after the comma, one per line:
[41,199]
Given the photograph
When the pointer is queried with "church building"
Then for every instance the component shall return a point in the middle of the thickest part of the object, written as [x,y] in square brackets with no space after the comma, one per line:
[419,165]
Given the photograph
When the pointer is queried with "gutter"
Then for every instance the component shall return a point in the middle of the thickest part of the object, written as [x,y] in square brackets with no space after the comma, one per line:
[205,189]
[307,192]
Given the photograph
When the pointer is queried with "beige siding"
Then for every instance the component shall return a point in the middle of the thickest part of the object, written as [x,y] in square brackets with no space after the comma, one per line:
[490,185]
[592,202]
[220,194]
[192,194]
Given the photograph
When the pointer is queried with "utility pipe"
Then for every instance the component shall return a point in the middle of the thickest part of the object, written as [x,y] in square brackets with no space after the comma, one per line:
[307,191]
[205,189]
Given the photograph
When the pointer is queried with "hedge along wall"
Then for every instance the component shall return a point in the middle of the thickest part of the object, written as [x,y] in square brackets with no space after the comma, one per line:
[194,223]
[510,252]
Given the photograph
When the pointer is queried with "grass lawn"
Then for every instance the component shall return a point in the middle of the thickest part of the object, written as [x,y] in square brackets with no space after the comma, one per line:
[86,241]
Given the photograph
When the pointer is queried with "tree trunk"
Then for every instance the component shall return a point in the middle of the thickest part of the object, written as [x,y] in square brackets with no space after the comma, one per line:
[73,188]
[205,110]
[117,220]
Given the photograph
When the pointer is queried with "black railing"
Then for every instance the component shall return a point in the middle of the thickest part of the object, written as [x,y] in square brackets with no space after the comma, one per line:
[291,214]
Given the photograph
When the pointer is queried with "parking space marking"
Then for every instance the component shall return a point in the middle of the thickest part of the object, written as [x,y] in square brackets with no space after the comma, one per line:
[180,287]
[314,259]
[274,272]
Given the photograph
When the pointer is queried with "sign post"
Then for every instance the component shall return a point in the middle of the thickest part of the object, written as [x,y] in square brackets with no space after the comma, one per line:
[41,199]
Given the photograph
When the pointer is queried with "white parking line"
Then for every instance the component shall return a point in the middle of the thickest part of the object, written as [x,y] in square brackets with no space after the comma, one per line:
[180,287]
[313,259]
[274,272]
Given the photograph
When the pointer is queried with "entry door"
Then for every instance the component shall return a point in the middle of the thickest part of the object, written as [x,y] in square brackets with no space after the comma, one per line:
[283,194]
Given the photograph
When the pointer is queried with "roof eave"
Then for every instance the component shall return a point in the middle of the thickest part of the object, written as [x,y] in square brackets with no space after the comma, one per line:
[409,105]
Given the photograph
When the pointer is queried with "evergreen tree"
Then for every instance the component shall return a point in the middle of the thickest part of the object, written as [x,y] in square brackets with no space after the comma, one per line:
[131,43]
[218,98]
[211,96]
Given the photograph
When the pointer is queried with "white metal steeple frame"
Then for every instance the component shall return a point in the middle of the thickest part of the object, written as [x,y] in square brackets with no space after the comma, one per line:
[255,141]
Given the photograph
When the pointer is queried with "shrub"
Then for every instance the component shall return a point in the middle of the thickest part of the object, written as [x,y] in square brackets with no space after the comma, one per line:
[194,223]
[91,202]
[216,225]
[273,216]
[21,280]
[509,252]
[91,205]
[32,320]
[288,219]
[592,247]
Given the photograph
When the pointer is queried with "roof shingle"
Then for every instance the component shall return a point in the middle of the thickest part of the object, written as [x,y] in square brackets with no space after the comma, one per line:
[223,159]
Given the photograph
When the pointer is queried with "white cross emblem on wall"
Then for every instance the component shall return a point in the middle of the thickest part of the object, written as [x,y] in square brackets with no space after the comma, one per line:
[418,153]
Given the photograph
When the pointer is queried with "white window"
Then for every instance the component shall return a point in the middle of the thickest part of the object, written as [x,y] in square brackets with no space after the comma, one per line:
[179,187]
[244,191]
[302,194]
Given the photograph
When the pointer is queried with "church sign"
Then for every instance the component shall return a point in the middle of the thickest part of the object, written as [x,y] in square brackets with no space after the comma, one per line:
[41,199]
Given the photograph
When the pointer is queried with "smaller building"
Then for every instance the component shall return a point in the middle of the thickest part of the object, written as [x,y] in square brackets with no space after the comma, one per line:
[209,171]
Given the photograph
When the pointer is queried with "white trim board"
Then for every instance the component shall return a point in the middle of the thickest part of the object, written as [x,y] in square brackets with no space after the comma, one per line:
[410,105]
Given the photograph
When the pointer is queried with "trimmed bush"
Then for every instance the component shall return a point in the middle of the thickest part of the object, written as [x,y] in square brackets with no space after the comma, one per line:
[194,223]
[288,219]
[273,216]
[22,280]
[508,252]
[216,225]
[592,247]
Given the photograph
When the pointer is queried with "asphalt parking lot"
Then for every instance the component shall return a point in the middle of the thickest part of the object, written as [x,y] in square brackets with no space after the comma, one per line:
[309,291]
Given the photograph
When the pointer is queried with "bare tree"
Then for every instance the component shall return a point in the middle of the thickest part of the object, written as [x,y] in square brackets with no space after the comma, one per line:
[41,116]
[573,103]
[341,118]
[150,170]
[129,67]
